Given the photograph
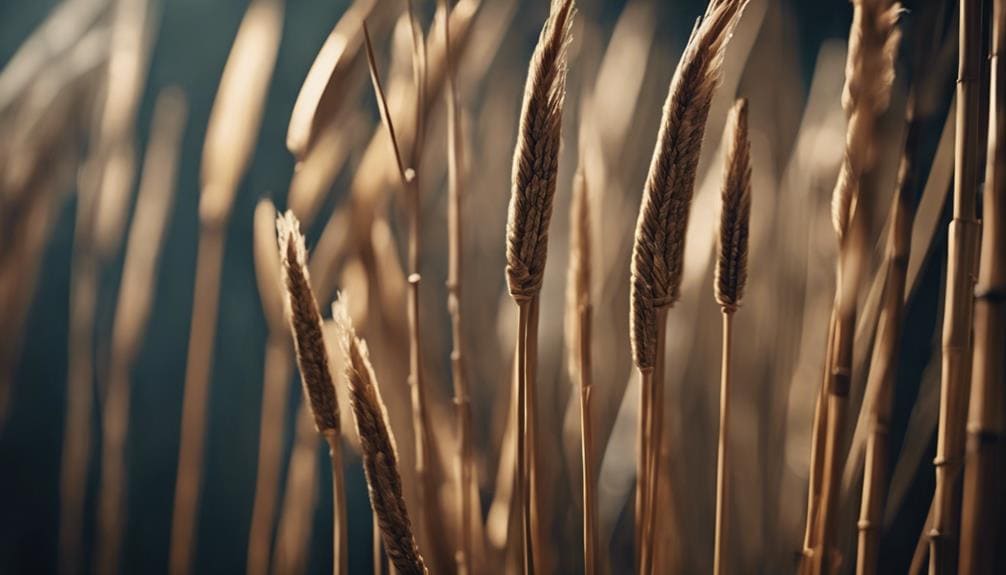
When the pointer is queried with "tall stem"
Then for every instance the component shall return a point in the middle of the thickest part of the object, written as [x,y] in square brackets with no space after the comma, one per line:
[340,546]
[720,541]
[586,438]
[654,440]
[959,303]
[522,495]
[194,397]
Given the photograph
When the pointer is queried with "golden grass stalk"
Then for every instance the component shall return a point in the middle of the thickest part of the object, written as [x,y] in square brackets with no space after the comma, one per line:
[886,349]
[659,243]
[293,534]
[377,443]
[230,141]
[153,210]
[535,168]
[276,374]
[962,251]
[315,373]
[984,506]
[462,398]
[731,276]
[873,42]
[579,310]
[324,90]
[410,184]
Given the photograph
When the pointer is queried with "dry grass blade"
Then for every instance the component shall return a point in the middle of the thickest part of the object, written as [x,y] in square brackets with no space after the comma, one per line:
[533,182]
[731,276]
[658,248]
[230,140]
[153,210]
[462,399]
[984,506]
[962,252]
[873,43]
[315,374]
[324,90]
[380,458]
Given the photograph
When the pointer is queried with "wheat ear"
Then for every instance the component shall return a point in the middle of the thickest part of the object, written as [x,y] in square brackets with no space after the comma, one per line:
[658,248]
[535,168]
[731,276]
[380,456]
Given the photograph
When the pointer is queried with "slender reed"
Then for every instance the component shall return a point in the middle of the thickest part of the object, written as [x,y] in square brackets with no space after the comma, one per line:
[579,309]
[873,43]
[886,349]
[315,374]
[984,506]
[377,443]
[658,249]
[230,140]
[293,534]
[962,251]
[410,184]
[139,274]
[731,276]
[276,375]
[535,168]
[462,398]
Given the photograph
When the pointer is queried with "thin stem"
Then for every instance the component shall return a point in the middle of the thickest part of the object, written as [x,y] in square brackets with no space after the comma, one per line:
[959,294]
[655,440]
[194,398]
[340,545]
[587,444]
[277,373]
[531,396]
[818,432]
[720,541]
[375,533]
[522,487]
[111,495]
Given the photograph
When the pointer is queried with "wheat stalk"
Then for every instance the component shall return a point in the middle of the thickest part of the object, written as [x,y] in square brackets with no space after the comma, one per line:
[276,374]
[873,42]
[983,506]
[380,457]
[579,315]
[535,167]
[958,304]
[315,374]
[658,248]
[462,399]
[731,276]
[153,211]
[230,139]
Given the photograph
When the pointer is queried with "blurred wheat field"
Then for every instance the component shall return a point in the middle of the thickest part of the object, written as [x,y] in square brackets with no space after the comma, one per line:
[482,255]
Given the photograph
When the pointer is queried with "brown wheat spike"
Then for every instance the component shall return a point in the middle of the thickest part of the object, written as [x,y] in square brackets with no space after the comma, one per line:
[380,456]
[658,249]
[731,275]
[731,267]
[305,323]
[663,216]
[536,158]
[312,358]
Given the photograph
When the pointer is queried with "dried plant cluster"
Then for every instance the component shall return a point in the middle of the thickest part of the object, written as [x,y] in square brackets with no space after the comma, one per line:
[587,421]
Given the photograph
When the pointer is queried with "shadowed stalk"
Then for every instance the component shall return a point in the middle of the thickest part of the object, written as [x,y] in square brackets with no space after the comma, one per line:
[462,397]
[658,249]
[873,43]
[315,371]
[296,519]
[533,182]
[579,314]
[410,184]
[886,349]
[138,287]
[984,505]
[276,374]
[963,238]
[731,277]
[230,141]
